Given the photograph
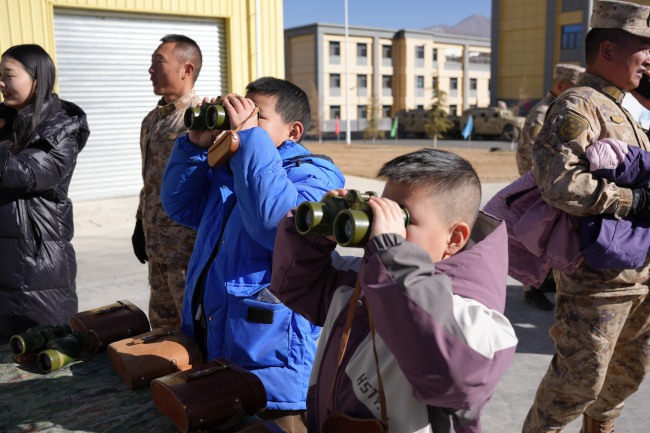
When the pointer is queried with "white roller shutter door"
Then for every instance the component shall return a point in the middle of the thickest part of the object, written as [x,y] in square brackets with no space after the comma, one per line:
[102,66]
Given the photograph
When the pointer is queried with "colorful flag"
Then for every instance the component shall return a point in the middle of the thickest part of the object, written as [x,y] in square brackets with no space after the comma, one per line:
[467,130]
[337,126]
[393,129]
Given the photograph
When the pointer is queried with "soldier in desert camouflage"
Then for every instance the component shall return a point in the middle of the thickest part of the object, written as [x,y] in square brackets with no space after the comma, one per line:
[166,245]
[602,319]
[565,76]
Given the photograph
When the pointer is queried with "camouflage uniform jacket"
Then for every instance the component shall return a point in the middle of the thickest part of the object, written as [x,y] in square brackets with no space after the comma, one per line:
[578,117]
[166,241]
[532,126]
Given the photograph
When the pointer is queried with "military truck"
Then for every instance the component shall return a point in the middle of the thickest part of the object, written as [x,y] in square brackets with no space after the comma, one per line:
[493,122]
[412,122]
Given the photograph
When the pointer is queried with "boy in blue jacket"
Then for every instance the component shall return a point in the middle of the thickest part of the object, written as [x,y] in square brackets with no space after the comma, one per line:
[227,307]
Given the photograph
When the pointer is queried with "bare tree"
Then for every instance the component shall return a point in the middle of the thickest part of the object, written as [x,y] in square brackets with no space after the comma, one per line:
[437,119]
[373,131]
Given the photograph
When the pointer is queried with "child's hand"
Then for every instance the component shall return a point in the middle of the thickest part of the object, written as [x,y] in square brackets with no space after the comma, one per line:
[337,192]
[387,217]
[239,109]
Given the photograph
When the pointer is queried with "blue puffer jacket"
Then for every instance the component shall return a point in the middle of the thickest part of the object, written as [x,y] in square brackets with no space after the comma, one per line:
[252,193]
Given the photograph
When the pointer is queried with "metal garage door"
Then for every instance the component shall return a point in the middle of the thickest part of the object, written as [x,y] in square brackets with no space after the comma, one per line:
[102,64]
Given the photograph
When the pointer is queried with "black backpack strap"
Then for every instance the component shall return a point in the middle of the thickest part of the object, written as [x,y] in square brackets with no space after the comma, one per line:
[307,158]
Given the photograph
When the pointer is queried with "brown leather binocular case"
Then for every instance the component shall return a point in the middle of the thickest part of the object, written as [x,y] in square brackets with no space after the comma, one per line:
[114,322]
[226,144]
[141,359]
[218,394]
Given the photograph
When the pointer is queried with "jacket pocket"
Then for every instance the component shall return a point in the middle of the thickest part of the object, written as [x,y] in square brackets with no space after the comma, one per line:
[257,332]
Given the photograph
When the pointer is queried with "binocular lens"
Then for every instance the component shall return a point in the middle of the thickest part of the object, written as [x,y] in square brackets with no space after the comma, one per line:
[18,345]
[215,117]
[308,216]
[351,228]
[190,114]
[52,360]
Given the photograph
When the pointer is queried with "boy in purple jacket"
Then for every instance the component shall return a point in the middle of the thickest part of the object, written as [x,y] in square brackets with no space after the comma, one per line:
[436,291]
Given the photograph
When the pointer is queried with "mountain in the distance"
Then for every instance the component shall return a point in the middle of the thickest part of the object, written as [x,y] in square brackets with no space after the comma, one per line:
[475,25]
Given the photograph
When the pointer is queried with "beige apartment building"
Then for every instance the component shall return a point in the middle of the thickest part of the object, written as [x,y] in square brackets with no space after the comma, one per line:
[389,69]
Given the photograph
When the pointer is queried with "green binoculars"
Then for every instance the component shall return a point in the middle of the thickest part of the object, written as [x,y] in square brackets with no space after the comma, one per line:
[347,218]
[206,116]
[56,346]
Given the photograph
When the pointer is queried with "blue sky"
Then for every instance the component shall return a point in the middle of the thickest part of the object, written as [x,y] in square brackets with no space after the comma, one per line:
[391,14]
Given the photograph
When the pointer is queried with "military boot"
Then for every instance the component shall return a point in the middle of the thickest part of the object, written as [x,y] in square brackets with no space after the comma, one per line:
[590,425]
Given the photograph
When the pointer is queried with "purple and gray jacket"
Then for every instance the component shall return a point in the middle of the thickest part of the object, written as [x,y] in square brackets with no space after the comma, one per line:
[542,237]
[442,340]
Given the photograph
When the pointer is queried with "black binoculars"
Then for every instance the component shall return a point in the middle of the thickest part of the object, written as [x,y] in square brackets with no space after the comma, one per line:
[206,116]
[347,218]
[56,346]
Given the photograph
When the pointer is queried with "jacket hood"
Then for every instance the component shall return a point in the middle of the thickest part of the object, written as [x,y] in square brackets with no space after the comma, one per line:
[294,154]
[59,118]
[480,270]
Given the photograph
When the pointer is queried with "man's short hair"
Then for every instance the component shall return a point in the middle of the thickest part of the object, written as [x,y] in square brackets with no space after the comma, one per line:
[450,179]
[595,37]
[292,103]
[187,50]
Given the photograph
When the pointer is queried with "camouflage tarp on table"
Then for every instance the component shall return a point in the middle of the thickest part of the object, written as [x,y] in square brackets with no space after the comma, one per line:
[86,396]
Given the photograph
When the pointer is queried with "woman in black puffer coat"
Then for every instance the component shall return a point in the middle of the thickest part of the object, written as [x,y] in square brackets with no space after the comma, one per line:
[40,138]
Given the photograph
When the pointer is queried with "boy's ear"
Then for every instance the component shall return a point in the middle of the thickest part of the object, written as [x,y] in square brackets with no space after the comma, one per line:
[458,238]
[295,131]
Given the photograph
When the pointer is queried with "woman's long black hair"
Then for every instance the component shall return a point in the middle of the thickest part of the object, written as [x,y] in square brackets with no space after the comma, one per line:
[40,66]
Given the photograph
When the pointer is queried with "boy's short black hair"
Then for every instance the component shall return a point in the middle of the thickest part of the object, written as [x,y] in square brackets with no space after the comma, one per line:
[187,49]
[292,103]
[451,180]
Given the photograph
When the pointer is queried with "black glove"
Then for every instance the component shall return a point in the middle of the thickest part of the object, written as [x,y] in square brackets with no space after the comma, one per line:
[138,242]
[641,203]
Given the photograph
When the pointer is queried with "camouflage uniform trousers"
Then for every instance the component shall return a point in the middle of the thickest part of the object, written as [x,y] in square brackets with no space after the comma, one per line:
[602,342]
[167,284]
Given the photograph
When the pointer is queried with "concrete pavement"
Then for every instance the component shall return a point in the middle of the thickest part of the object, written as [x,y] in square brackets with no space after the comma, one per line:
[108,271]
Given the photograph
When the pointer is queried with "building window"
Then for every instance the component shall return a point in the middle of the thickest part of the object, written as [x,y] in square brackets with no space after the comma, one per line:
[387,85]
[385,110]
[472,84]
[419,85]
[386,55]
[335,111]
[453,109]
[419,55]
[434,83]
[335,84]
[335,53]
[335,49]
[362,50]
[362,112]
[362,85]
[453,84]
[435,54]
[571,36]
[386,52]
[420,107]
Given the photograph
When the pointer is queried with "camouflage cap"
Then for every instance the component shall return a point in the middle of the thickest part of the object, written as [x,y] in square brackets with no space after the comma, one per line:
[631,17]
[569,72]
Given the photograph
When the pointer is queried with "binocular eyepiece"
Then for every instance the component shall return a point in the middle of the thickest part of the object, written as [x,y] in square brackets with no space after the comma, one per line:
[206,116]
[56,346]
[347,218]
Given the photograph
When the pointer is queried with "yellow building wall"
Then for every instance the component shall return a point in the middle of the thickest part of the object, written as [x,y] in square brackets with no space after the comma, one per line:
[521,47]
[32,21]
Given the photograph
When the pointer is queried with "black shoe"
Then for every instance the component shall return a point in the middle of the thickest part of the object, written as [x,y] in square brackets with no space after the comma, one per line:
[538,300]
[548,286]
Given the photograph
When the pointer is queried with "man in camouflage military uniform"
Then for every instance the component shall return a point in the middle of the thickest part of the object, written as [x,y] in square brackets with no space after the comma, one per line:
[565,76]
[166,245]
[602,319]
